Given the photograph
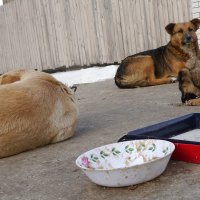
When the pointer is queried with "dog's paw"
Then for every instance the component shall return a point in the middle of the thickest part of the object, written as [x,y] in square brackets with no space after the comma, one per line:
[173,79]
[193,102]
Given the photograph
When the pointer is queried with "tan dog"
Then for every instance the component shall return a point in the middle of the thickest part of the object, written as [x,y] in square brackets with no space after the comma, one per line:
[161,65]
[35,110]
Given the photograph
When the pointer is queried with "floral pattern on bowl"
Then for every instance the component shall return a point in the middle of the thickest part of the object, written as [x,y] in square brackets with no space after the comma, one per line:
[123,155]
[126,163]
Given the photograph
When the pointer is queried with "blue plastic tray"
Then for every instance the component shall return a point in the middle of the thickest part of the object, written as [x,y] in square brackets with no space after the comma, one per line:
[185,150]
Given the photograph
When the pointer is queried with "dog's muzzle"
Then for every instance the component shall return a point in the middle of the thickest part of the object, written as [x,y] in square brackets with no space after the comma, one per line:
[187,39]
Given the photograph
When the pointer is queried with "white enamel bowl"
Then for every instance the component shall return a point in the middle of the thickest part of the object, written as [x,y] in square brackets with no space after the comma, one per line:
[126,163]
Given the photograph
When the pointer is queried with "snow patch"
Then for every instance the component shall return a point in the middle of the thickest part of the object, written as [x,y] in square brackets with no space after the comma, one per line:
[89,75]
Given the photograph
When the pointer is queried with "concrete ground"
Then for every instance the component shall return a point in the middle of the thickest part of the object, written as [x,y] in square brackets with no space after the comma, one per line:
[106,114]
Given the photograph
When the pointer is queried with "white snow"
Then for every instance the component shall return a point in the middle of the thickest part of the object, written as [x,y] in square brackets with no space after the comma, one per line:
[89,75]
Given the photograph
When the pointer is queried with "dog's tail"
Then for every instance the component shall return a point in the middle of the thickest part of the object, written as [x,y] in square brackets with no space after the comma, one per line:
[129,81]
[126,83]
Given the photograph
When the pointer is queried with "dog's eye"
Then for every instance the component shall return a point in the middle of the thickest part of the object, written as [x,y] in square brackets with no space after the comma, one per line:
[190,29]
[180,31]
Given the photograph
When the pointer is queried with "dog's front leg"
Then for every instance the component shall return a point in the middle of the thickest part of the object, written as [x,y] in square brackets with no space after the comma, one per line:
[193,102]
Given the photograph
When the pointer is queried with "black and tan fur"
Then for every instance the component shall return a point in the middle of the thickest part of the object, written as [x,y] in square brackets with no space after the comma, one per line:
[161,65]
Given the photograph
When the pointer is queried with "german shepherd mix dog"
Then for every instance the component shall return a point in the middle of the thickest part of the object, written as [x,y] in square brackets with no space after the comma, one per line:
[35,110]
[161,65]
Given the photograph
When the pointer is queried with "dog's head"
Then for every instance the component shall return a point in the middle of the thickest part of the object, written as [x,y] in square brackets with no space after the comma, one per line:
[183,35]
[186,86]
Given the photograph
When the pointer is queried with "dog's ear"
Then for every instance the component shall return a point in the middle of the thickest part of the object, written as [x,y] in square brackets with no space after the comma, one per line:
[170,27]
[6,79]
[196,23]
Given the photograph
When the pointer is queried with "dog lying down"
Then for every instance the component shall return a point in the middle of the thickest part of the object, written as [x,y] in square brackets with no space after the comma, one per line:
[35,110]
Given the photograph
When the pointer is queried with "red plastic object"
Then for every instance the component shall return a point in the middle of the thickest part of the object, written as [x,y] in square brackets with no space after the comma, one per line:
[187,152]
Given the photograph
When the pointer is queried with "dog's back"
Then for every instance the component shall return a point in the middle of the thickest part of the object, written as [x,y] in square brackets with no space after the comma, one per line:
[36,110]
[157,56]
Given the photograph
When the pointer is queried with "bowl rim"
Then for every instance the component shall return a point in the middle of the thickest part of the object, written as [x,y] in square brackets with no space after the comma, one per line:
[123,168]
